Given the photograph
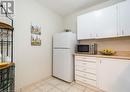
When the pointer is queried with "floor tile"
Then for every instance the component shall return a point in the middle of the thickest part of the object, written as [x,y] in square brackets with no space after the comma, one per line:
[92,90]
[55,85]
[41,83]
[54,81]
[79,86]
[30,89]
[46,87]
[34,90]
[74,89]
[63,86]
[89,90]
[55,90]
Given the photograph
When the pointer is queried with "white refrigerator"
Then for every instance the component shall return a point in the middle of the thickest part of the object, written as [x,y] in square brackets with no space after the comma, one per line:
[63,50]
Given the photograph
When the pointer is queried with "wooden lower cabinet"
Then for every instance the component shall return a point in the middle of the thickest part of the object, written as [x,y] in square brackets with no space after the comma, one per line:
[110,75]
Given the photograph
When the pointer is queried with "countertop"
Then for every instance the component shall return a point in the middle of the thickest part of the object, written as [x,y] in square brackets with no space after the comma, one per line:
[104,56]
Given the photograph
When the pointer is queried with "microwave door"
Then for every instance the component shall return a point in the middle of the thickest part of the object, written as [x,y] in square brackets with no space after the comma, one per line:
[83,48]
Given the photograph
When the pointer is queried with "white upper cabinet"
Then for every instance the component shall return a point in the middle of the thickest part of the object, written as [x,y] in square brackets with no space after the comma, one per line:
[106,22]
[98,24]
[85,26]
[112,21]
[124,18]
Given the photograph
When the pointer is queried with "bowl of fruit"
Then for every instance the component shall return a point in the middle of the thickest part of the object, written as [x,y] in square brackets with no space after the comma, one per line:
[3,64]
[107,52]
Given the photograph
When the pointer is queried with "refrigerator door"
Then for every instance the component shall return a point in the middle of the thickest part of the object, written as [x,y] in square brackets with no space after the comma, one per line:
[63,64]
[64,40]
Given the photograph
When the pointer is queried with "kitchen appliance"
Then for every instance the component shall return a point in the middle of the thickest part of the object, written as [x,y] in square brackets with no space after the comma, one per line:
[63,49]
[83,48]
[87,48]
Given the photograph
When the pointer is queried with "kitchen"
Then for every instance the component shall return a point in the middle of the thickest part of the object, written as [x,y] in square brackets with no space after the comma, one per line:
[87,50]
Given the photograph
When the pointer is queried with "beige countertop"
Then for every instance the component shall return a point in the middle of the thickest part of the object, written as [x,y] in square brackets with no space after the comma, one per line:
[104,56]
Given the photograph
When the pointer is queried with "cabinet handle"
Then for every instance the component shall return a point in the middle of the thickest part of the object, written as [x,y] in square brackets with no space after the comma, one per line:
[90,35]
[83,58]
[84,63]
[100,62]
[122,32]
[96,35]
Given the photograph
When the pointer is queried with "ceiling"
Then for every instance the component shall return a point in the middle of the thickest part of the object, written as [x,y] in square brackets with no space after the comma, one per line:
[66,7]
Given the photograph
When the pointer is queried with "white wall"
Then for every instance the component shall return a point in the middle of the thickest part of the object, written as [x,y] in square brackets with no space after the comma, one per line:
[33,63]
[70,21]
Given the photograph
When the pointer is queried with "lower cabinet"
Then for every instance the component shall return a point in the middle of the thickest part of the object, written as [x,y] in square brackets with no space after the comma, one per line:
[110,75]
[86,70]
[114,75]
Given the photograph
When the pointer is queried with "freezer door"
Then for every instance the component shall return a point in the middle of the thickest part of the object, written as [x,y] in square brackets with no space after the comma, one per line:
[63,64]
[64,40]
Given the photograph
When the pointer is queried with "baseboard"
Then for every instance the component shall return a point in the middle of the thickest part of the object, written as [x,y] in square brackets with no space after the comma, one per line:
[89,86]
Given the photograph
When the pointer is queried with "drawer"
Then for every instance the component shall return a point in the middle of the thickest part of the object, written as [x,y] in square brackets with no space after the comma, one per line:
[93,71]
[87,81]
[92,65]
[83,58]
[91,76]
[85,69]
[86,75]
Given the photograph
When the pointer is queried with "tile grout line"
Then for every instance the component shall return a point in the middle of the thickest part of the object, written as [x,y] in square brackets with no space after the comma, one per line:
[38,85]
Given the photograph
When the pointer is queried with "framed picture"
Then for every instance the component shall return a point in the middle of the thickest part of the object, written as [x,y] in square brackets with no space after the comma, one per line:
[35,35]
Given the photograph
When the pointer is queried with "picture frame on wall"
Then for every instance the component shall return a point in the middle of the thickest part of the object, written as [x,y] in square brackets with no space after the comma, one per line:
[35,35]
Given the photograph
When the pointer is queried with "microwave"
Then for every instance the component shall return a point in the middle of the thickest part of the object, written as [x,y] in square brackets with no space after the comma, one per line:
[83,48]
[87,48]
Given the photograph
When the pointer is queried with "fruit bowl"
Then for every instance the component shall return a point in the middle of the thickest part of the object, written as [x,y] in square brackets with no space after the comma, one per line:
[107,52]
[3,64]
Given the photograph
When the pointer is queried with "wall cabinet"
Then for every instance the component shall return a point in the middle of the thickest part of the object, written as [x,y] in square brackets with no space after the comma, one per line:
[105,22]
[98,24]
[110,75]
[85,26]
[124,18]
[112,21]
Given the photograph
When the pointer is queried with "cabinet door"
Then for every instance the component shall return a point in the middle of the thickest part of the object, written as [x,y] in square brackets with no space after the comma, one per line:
[98,24]
[124,18]
[106,22]
[85,26]
[114,75]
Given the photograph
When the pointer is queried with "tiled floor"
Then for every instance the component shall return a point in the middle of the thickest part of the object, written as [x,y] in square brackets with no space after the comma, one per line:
[56,85]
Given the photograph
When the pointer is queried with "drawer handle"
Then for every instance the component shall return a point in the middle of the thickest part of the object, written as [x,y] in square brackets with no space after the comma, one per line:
[84,63]
[84,58]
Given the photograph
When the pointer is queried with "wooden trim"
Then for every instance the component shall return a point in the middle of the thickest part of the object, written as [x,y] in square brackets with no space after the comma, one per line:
[5,26]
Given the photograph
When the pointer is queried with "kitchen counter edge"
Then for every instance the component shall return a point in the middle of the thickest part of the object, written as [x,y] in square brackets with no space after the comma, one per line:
[104,56]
